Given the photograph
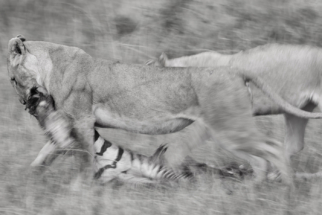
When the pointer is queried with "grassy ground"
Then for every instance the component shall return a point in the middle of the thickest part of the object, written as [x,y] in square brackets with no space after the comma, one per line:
[134,31]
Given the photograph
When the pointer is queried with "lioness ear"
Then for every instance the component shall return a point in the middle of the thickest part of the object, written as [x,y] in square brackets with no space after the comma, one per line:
[163,59]
[16,46]
[21,37]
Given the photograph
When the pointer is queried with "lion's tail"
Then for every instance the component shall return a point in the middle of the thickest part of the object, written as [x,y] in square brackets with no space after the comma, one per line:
[278,99]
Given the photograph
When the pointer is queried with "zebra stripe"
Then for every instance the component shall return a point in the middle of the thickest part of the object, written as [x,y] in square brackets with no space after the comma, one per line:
[96,136]
[99,173]
[105,146]
[135,167]
[155,171]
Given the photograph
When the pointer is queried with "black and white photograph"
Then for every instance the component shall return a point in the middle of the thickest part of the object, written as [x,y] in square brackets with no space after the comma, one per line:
[148,107]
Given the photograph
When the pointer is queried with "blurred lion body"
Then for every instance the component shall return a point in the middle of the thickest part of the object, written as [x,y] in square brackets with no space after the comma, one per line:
[147,100]
[301,62]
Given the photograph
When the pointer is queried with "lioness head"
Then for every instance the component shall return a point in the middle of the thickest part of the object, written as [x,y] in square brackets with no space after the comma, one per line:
[22,68]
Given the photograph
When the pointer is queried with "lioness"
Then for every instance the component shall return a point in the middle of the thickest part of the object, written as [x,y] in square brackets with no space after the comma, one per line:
[145,99]
[292,70]
[111,161]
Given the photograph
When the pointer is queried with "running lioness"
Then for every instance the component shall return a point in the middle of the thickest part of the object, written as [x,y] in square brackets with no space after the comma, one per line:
[149,100]
[292,70]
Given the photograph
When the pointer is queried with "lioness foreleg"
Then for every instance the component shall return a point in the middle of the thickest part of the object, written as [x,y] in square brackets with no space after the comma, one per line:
[56,124]
[79,107]
[46,155]
[84,132]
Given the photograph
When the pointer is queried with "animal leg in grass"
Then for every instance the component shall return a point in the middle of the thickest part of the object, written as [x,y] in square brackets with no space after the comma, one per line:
[185,141]
[294,133]
[46,155]
[84,154]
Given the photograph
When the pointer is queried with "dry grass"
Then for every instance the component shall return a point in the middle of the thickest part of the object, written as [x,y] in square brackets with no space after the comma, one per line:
[134,31]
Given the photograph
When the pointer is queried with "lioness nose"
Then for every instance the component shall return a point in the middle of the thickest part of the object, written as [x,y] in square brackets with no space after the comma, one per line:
[22,101]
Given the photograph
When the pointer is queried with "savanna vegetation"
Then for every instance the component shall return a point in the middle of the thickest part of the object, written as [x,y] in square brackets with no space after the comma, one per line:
[134,31]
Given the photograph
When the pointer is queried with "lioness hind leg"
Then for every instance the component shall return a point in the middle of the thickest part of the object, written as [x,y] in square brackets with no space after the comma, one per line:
[228,114]
[183,142]
[294,133]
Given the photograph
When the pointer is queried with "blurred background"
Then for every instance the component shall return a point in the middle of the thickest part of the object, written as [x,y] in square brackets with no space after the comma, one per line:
[135,31]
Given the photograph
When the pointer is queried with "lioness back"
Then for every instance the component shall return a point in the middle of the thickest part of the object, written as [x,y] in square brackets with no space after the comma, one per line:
[148,91]
[204,59]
